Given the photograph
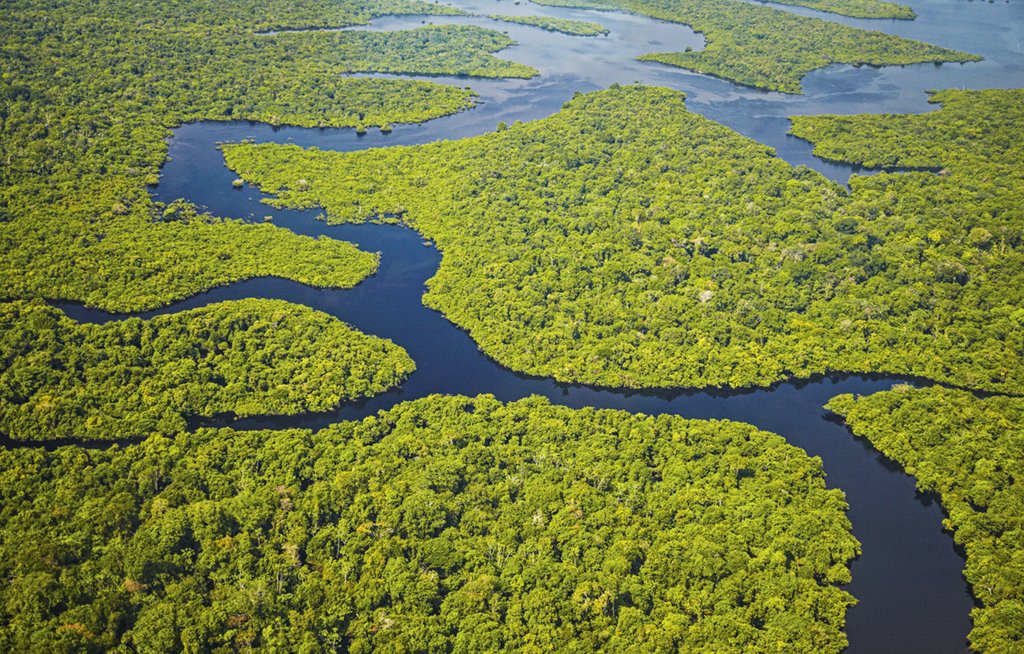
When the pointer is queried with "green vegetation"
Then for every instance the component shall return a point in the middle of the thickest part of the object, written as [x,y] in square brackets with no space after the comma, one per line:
[768,48]
[446,524]
[623,241]
[88,92]
[429,50]
[129,263]
[973,135]
[563,25]
[970,451]
[62,379]
[627,242]
[963,227]
[855,8]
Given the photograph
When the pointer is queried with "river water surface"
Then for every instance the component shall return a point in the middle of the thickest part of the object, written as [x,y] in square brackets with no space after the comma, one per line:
[908,581]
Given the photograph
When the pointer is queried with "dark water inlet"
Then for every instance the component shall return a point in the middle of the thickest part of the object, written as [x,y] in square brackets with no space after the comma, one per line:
[912,596]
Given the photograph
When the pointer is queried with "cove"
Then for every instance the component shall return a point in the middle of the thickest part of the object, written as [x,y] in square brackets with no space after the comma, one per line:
[912,596]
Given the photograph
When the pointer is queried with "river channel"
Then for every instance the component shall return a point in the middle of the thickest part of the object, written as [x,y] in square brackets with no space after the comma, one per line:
[908,581]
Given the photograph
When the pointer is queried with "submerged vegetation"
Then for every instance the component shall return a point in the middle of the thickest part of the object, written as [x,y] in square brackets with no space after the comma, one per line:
[627,242]
[769,48]
[62,379]
[89,91]
[970,451]
[445,524]
[563,25]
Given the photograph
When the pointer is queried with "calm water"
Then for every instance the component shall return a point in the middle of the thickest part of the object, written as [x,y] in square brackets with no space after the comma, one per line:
[912,596]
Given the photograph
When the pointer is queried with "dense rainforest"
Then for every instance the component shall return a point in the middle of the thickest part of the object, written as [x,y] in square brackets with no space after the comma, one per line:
[970,451]
[130,378]
[444,524]
[769,48]
[622,241]
[89,91]
[590,246]
[563,25]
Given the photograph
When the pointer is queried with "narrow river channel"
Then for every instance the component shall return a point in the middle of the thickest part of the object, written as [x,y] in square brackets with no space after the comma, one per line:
[908,581]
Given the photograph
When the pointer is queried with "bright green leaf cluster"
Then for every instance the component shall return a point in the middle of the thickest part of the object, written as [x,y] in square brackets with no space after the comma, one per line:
[627,242]
[62,379]
[443,525]
[969,450]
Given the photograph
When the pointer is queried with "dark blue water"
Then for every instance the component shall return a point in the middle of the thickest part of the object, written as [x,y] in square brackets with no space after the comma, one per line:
[912,596]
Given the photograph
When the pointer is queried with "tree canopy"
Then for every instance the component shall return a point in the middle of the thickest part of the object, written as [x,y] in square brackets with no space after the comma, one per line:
[130,378]
[563,25]
[446,524]
[627,242]
[622,241]
[772,49]
[88,93]
[855,8]
[970,451]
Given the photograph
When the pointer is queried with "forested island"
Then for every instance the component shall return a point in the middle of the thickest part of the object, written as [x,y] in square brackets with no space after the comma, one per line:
[855,8]
[768,48]
[570,27]
[623,242]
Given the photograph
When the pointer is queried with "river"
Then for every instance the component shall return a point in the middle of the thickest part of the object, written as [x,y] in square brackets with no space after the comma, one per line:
[908,581]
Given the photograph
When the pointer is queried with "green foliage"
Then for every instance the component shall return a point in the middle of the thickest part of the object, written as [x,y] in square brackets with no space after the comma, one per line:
[975,133]
[768,48]
[88,92]
[563,25]
[962,227]
[446,524]
[430,50]
[970,451]
[150,257]
[627,242]
[855,8]
[62,379]
[250,15]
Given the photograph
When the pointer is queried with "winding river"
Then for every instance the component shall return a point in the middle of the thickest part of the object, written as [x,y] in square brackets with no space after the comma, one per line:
[909,583]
